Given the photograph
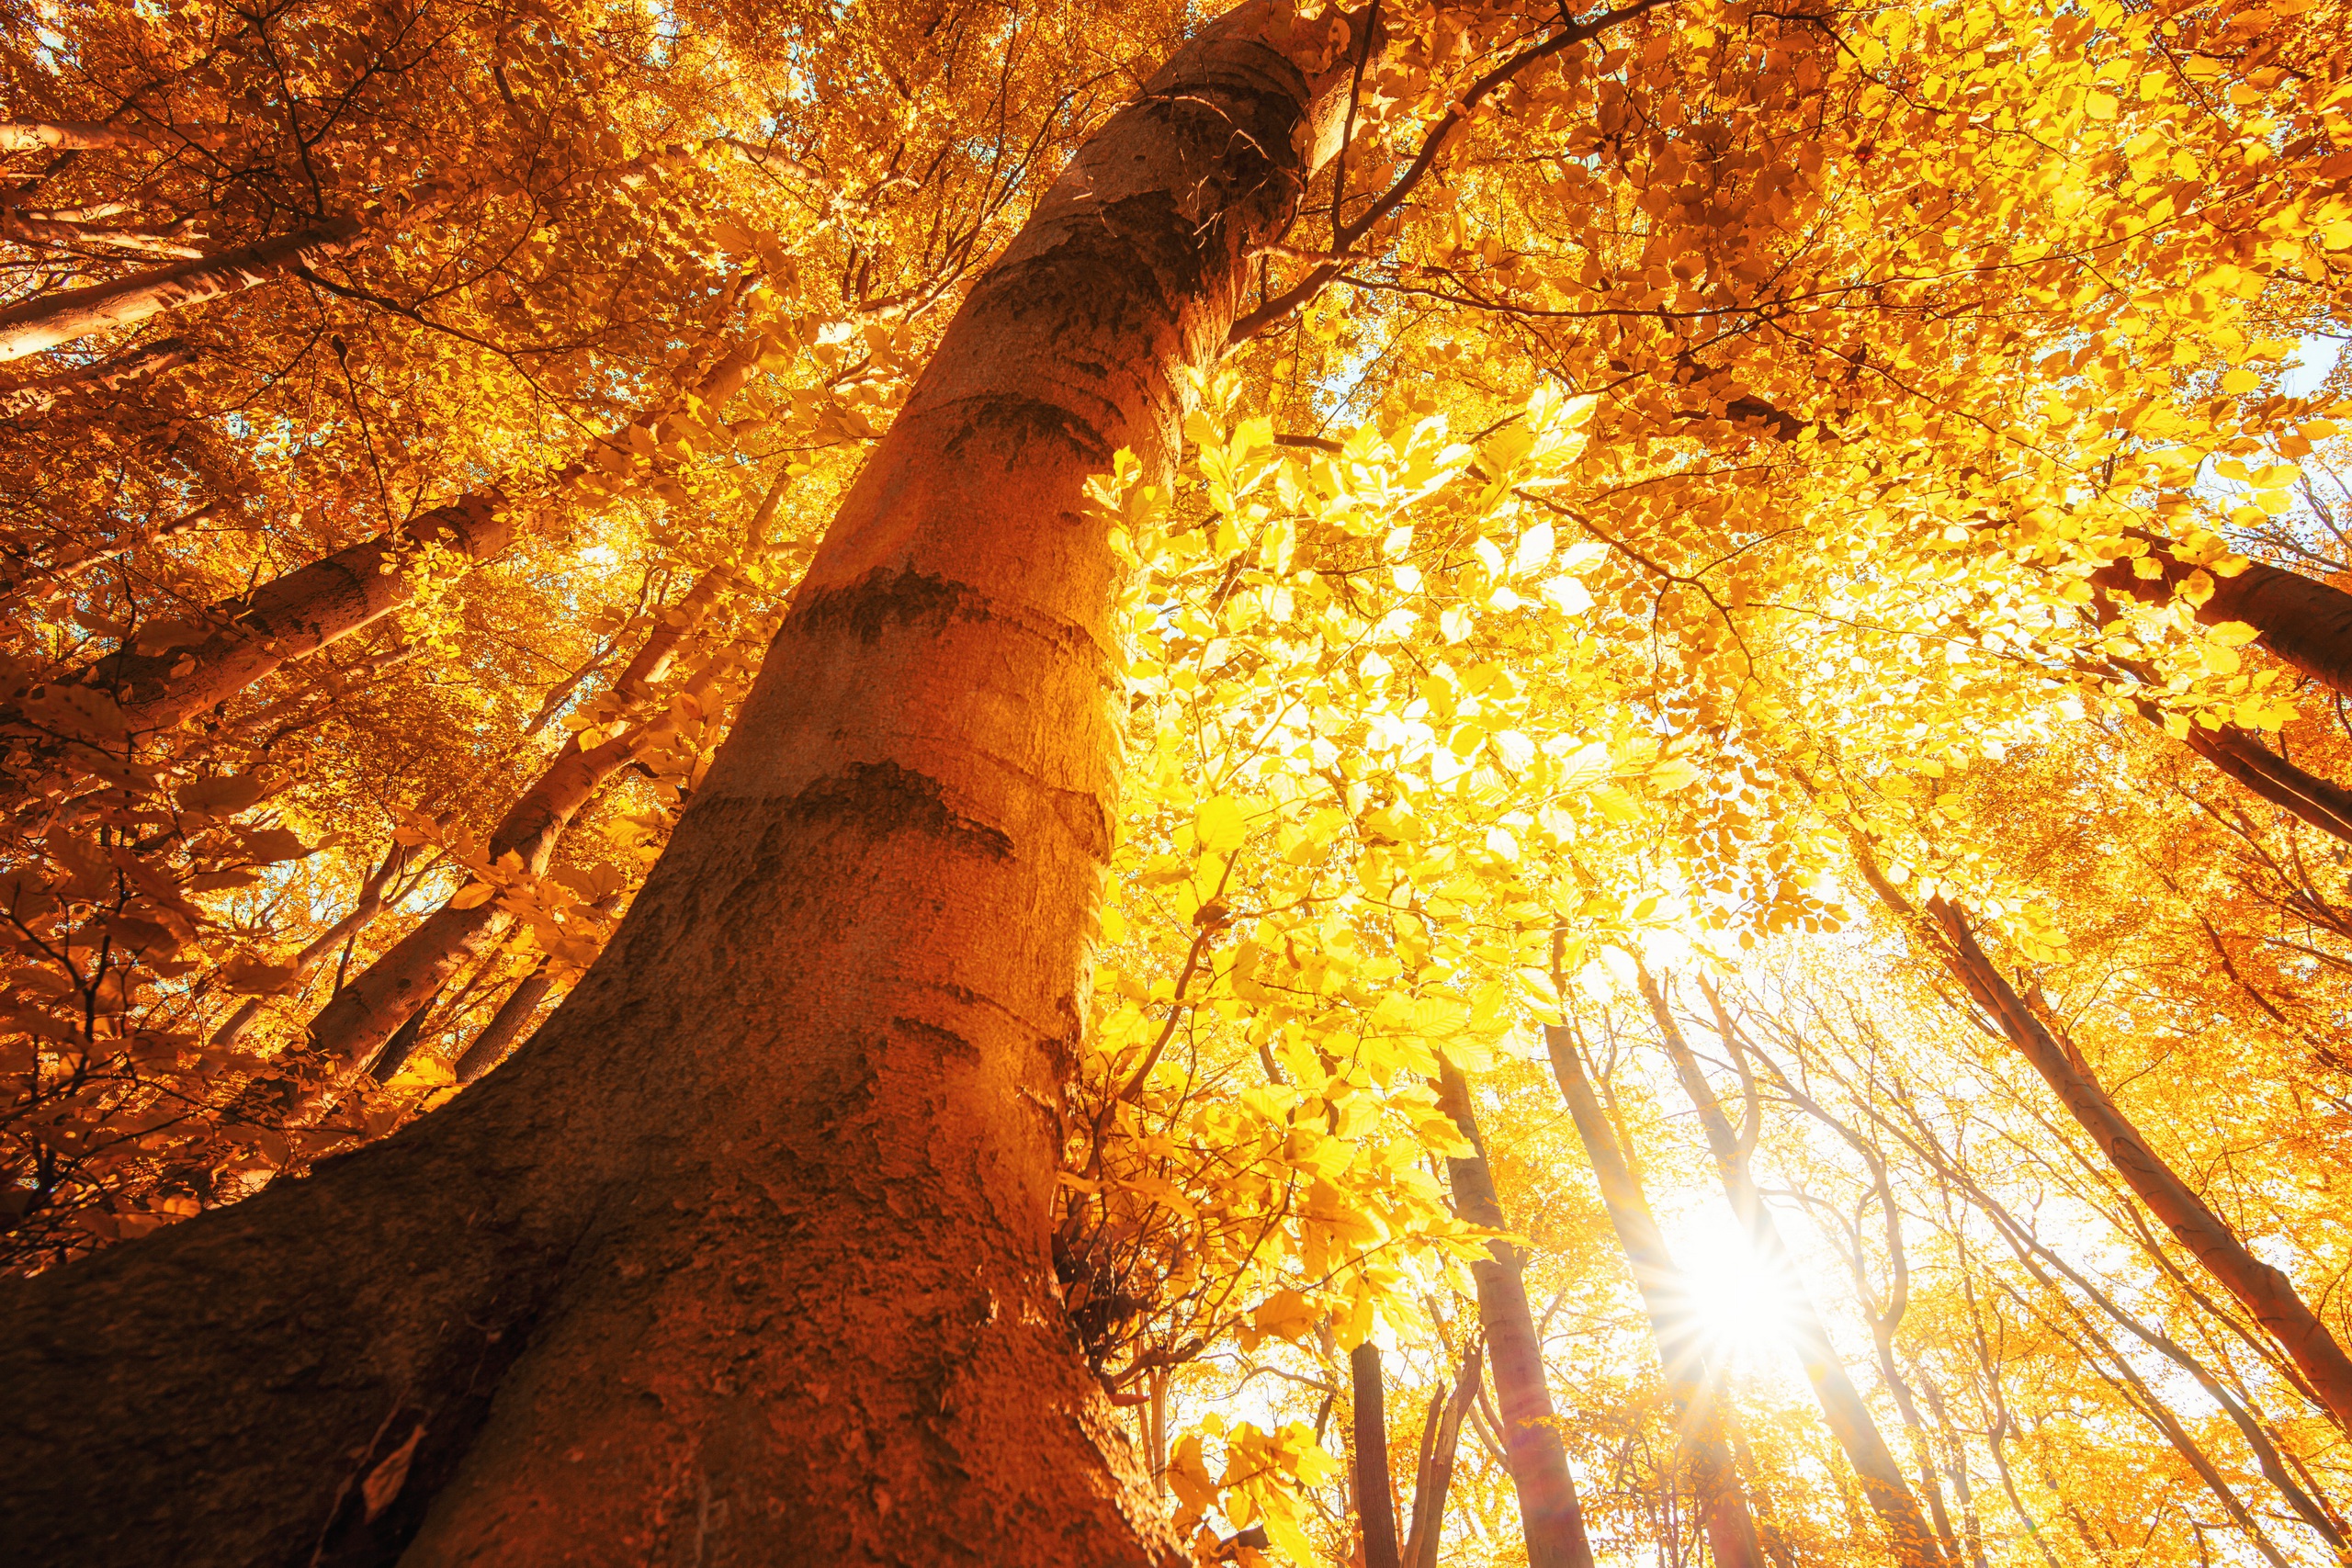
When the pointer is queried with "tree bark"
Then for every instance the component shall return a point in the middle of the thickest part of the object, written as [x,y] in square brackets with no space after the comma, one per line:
[352,1028]
[1731,1530]
[489,1047]
[2299,619]
[2266,1293]
[1436,1479]
[1548,1509]
[284,619]
[88,136]
[112,376]
[1375,1492]
[745,1258]
[2303,794]
[46,320]
[363,910]
[1842,1408]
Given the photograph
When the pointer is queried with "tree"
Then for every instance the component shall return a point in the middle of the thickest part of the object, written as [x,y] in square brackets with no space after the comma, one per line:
[1073,347]
[989,1027]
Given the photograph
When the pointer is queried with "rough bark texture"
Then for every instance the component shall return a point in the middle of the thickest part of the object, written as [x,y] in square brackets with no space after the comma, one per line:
[744,1259]
[46,320]
[1842,1407]
[1731,1530]
[1375,1492]
[2267,1293]
[1548,1509]
[2299,619]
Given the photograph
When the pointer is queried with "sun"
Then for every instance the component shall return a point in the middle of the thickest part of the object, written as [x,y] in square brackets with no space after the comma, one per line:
[1746,1306]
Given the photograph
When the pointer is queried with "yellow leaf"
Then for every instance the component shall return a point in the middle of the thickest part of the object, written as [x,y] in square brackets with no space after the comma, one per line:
[473,897]
[1219,824]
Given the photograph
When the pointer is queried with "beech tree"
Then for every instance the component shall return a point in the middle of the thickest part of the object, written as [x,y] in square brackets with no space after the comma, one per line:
[886,784]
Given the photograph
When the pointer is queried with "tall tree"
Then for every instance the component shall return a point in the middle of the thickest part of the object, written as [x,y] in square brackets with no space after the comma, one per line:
[1842,1408]
[925,754]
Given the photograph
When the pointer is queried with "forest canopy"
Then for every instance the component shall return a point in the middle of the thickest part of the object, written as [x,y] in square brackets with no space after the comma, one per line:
[1125,781]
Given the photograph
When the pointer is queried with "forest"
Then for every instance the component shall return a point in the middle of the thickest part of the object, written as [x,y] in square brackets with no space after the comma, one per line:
[1345,783]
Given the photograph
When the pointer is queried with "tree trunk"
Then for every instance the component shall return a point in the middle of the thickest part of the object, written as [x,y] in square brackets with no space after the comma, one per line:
[1375,1493]
[744,1257]
[2299,619]
[1436,1479]
[2266,1293]
[363,910]
[2247,760]
[284,619]
[357,1020]
[1842,1408]
[39,396]
[489,1047]
[1548,1509]
[84,136]
[1731,1531]
[46,320]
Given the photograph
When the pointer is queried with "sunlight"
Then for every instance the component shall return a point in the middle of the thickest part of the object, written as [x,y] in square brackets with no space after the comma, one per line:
[1746,1309]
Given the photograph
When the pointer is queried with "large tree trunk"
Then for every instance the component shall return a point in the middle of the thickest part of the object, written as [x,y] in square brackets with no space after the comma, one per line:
[46,320]
[1842,1407]
[745,1258]
[1666,1296]
[2300,619]
[2267,1293]
[1548,1510]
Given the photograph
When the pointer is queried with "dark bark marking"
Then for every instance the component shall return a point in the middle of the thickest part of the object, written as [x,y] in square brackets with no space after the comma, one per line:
[882,599]
[885,798]
[945,1042]
[1023,420]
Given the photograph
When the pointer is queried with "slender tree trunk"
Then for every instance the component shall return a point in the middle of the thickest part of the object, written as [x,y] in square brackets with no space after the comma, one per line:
[2266,1293]
[1731,1530]
[1548,1509]
[2306,795]
[353,1027]
[113,376]
[2034,1255]
[88,136]
[1375,1492]
[284,619]
[1842,1407]
[1436,1480]
[490,1047]
[45,321]
[363,910]
[1971,1527]
[2299,619]
[744,1257]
